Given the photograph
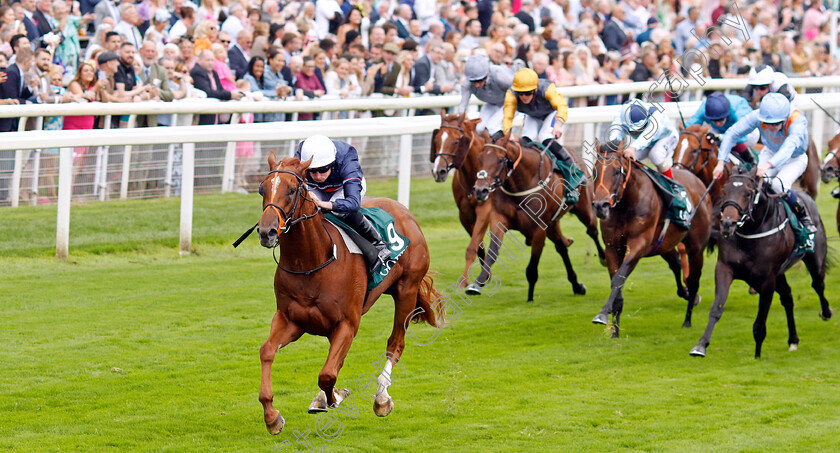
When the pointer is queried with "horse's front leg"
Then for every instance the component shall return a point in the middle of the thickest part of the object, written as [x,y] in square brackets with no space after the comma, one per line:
[482,221]
[723,280]
[340,341]
[282,333]
[497,234]
[586,213]
[532,271]
[635,250]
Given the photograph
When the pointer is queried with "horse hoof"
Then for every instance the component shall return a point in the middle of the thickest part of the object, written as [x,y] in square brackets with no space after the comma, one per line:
[753,291]
[319,404]
[793,347]
[698,351]
[686,325]
[697,300]
[600,318]
[277,425]
[614,335]
[473,289]
[826,318]
[339,396]
[569,242]
[682,293]
[383,409]
[579,289]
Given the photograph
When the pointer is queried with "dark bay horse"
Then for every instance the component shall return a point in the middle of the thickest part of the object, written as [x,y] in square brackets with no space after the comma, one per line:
[632,221]
[451,145]
[530,200]
[755,245]
[830,168]
[320,287]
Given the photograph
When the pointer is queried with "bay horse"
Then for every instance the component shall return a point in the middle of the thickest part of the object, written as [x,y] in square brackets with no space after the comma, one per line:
[451,145]
[522,175]
[830,168]
[697,154]
[755,246]
[321,288]
[632,222]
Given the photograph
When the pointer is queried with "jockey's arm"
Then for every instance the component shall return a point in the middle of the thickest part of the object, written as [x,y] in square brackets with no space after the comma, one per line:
[797,138]
[510,111]
[738,130]
[558,101]
[466,92]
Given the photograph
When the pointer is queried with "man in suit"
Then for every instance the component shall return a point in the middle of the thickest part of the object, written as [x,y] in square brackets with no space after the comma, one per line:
[423,72]
[13,92]
[207,80]
[28,20]
[151,73]
[43,17]
[386,72]
[402,21]
[238,53]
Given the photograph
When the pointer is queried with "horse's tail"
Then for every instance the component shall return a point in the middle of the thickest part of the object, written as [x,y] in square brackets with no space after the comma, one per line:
[712,243]
[426,296]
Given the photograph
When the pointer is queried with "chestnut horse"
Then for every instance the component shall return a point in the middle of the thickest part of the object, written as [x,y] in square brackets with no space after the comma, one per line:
[320,288]
[451,149]
[632,220]
[830,168]
[523,176]
[755,246]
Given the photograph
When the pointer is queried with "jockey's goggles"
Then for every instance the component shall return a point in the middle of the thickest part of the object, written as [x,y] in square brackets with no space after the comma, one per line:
[776,124]
[761,87]
[322,170]
[527,93]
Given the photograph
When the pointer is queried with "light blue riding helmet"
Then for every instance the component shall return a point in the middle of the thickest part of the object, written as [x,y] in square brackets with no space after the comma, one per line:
[774,108]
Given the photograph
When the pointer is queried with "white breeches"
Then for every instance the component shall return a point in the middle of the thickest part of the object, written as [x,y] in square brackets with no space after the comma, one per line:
[787,174]
[538,129]
[491,118]
[661,153]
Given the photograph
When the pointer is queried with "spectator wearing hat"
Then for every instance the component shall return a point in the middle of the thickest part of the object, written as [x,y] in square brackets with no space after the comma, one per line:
[105,88]
[644,36]
[385,73]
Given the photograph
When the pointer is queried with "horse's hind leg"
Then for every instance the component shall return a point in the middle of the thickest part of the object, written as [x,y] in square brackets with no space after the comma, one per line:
[282,333]
[816,267]
[786,299]
[555,236]
[672,257]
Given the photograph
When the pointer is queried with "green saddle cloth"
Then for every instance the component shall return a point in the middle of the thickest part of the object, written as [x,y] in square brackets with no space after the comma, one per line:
[803,239]
[676,199]
[572,175]
[384,224]
[748,165]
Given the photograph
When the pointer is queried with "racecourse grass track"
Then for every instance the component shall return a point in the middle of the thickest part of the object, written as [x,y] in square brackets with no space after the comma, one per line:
[129,347]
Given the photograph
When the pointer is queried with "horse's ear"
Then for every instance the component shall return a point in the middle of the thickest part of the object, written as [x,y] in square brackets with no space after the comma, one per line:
[433,154]
[474,122]
[462,117]
[272,161]
[462,152]
[305,165]
[443,113]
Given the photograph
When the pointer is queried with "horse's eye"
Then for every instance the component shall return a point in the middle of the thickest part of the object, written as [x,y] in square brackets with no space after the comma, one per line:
[291,191]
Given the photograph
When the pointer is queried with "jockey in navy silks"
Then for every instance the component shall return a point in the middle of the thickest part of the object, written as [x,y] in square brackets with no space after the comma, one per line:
[337,184]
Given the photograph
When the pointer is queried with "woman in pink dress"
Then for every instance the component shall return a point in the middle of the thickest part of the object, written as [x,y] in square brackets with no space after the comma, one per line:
[82,88]
[221,67]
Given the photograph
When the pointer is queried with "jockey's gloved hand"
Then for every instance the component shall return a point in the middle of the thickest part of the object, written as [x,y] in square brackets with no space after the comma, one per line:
[498,135]
[713,138]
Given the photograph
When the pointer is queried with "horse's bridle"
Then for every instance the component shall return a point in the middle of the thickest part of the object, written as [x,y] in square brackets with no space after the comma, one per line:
[507,163]
[707,151]
[451,165]
[616,197]
[834,157]
[744,213]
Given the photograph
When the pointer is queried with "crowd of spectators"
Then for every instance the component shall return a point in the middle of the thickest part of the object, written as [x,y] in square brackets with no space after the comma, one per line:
[58,51]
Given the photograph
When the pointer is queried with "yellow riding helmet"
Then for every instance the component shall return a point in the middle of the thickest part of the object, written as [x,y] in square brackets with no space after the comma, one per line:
[525,80]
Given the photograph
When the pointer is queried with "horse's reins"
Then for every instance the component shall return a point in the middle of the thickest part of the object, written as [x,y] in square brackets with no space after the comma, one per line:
[833,155]
[290,220]
[696,158]
[509,164]
[451,165]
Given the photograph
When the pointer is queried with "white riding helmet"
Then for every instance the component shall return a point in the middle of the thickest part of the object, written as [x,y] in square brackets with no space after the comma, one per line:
[761,75]
[320,149]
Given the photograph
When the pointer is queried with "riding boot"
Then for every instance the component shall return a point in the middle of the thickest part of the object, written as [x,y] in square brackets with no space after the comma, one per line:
[744,154]
[363,226]
[798,208]
[559,152]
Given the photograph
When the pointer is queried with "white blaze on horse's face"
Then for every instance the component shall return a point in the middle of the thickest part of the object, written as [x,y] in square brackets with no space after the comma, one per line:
[683,147]
[443,136]
[275,181]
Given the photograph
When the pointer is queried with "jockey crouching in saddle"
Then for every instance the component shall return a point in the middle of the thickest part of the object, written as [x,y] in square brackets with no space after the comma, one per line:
[785,155]
[337,184]
[545,112]
[721,111]
[653,136]
[489,84]
[764,80]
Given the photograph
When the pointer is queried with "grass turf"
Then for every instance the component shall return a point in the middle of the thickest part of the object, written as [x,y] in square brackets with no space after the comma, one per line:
[129,347]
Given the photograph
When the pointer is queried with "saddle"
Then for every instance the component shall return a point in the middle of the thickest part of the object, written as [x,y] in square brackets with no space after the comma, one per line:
[803,239]
[572,175]
[678,206]
[384,224]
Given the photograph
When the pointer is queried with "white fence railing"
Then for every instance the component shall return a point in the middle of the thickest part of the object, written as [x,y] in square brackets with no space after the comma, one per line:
[404,127]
